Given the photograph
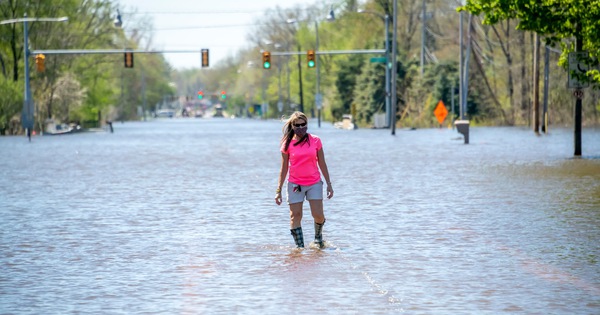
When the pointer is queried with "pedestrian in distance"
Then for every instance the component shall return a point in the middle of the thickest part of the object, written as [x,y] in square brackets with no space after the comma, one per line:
[302,155]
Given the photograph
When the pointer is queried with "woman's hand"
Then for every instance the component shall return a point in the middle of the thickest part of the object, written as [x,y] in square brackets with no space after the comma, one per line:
[329,191]
[278,198]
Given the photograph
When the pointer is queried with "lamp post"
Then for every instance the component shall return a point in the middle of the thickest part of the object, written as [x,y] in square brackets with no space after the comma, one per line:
[394,68]
[27,116]
[118,22]
[279,101]
[386,21]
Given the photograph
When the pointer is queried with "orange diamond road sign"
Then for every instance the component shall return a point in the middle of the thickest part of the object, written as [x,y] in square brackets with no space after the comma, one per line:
[440,112]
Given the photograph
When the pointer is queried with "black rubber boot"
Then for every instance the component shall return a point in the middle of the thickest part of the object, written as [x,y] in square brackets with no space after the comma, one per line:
[319,234]
[298,236]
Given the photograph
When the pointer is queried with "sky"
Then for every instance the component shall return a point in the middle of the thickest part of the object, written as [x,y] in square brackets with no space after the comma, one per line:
[221,26]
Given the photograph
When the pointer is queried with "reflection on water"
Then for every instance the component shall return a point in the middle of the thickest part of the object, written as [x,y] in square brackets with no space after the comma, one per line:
[177,216]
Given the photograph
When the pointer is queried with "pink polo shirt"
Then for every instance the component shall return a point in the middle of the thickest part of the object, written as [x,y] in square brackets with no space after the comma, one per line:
[303,163]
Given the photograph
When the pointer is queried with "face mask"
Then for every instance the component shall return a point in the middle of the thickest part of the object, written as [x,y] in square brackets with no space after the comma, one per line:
[300,131]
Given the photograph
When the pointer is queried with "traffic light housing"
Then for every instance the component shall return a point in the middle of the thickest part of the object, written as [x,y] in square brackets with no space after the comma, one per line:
[266,59]
[200,95]
[310,58]
[223,95]
[204,58]
[128,59]
[40,62]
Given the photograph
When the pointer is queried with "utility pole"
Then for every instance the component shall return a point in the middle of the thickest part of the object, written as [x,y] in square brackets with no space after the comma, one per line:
[461,88]
[300,81]
[394,69]
[536,83]
[546,82]
[143,94]
[264,96]
[289,89]
[27,116]
[462,125]
[388,67]
[318,95]
[466,69]
[578,107]
[279,101]
[423,18]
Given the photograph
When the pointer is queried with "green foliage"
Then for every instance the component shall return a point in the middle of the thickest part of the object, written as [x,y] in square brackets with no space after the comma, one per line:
[556,20]
[345,83]
[95,80]
[500,68]
[11,103]
[370,97]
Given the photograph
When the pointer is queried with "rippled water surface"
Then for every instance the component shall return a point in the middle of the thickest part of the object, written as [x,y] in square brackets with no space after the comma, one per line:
[177,217]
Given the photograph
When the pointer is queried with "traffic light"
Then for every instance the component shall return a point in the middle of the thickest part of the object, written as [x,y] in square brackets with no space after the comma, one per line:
[129,60]
[204,58]
[266,60]
[200,95]
[223,95]
[310,57]
[40,62]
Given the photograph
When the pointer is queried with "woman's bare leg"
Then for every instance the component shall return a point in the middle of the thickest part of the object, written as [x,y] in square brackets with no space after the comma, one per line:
[295,215]
[316,209]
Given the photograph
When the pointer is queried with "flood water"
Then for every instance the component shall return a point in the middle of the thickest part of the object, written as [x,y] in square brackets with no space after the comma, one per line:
[177,216]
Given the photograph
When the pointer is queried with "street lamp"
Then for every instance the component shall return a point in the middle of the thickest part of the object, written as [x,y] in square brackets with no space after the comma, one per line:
[331,15]
[118,22]
[386,20]
[27,116]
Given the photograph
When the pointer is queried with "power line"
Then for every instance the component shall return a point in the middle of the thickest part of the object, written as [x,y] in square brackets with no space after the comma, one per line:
[192,12]
[212,26]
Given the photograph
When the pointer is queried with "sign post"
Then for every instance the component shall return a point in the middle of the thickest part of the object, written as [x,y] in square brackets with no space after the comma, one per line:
[578,68]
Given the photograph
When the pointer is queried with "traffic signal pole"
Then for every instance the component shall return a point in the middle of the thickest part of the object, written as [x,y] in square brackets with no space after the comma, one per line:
[106,51]
[318,95]
[27,113]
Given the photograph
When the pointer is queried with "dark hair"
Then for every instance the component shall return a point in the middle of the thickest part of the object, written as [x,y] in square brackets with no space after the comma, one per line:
[288,131]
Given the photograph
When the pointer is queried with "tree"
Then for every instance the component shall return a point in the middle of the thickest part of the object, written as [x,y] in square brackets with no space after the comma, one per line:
[557,20]
[345,84]
[370,97]
[11,102]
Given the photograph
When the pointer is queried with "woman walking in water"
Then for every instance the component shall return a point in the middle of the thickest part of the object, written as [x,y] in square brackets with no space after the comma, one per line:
[302,154]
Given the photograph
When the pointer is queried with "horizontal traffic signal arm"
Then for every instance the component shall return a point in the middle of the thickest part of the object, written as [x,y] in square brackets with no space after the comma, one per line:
[107,51]
[329,52]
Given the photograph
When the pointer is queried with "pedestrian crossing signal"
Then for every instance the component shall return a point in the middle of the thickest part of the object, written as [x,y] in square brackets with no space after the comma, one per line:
[200,95]
[128,60]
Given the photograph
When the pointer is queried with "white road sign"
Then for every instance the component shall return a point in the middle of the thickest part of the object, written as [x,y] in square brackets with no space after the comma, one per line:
[319,100]
[577,64]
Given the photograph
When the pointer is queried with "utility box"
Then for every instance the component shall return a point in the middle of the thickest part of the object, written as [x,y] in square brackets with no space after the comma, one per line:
[463,127]
[379,120]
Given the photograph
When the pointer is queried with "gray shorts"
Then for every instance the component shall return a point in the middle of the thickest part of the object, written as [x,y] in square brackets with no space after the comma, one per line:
[297,193]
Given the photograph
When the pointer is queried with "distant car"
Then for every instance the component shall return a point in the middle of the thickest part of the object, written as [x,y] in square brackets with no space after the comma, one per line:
[165,113]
